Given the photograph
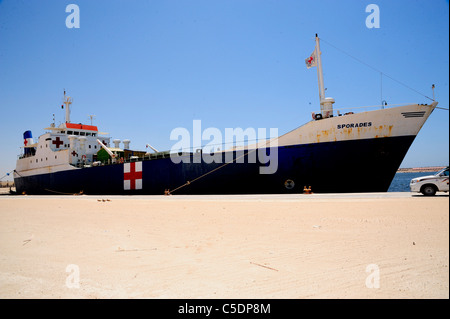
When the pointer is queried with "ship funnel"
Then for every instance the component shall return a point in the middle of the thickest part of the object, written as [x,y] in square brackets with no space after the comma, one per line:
[116,143]
[27,138]
[27,141]
[126,144]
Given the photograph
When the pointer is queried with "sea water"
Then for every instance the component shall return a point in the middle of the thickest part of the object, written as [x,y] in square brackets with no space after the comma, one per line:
[401,181]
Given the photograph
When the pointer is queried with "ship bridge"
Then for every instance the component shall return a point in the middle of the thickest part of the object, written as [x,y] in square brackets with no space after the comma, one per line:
[79,139]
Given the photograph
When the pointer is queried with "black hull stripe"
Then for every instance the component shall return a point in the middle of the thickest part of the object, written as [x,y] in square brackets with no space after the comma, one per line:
[334,167]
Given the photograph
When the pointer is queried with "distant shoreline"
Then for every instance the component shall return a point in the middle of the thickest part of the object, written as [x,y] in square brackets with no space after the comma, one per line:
[431,169]
[6,184]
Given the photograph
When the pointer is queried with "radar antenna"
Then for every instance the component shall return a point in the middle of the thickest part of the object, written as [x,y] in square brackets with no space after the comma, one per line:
[91,116]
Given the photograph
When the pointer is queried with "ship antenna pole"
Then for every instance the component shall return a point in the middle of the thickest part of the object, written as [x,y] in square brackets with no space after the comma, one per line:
[91,117]
[67,101]
[320,72]
[326,104]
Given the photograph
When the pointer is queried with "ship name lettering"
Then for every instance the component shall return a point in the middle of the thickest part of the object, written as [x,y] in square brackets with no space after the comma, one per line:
[353,125]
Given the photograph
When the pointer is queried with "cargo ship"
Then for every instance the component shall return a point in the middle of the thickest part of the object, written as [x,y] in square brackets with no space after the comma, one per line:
[335,152]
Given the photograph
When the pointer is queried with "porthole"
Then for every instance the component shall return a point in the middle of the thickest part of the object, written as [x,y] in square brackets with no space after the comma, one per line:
[289,184]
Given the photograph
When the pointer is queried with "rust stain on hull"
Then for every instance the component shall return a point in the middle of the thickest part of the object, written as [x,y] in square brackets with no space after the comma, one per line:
[360,132]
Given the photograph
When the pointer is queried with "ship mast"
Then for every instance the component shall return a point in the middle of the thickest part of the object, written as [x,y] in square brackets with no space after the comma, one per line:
[319,70]
[67,100]
[326,103]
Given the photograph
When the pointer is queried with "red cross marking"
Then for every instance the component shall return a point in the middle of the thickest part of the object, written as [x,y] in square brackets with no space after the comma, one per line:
[25,142]
[310,59]
[57,142]
[132,176]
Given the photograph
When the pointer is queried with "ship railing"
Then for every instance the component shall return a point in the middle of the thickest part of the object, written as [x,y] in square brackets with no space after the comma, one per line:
[158,155]
[82,164]
[223,147]
[358,109]
[191,151]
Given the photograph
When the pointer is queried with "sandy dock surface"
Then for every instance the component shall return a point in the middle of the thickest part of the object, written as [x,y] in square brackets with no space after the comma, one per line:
[393,245]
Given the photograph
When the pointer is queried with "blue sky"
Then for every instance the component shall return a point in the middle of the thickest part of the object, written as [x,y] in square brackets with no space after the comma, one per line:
[146,67]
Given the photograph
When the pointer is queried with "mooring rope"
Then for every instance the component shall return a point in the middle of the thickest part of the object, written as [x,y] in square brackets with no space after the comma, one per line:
[7,174]
[49,190]
[169,192]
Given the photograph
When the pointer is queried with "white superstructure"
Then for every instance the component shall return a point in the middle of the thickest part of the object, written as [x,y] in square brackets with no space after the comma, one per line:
[69,146]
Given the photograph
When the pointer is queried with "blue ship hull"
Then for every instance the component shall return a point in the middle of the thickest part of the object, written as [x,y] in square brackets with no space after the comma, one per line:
[366,165]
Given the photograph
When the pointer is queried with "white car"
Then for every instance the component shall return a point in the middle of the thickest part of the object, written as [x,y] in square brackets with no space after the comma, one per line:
[429,185]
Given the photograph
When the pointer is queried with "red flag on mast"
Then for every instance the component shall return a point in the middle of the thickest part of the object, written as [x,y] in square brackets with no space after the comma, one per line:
[311,61]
